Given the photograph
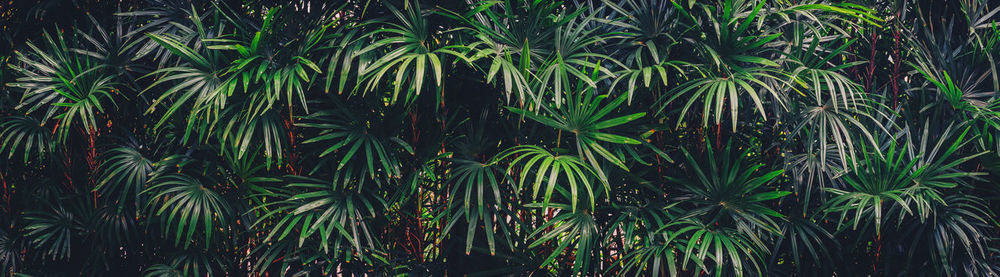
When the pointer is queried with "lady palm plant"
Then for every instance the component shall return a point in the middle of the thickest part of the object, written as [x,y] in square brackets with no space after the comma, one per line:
[647,31]
[584,117]
[726,191]
[193,81]
[29,132]
[410,137]
[909,179]
[185,206]
[64,85]
[335,212]
[126,173]
[509,36]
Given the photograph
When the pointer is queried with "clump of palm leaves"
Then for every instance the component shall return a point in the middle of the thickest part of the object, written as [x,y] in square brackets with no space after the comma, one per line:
[584,138]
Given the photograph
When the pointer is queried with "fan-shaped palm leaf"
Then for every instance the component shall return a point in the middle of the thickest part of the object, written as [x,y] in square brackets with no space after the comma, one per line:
[18,131]
[640,227]
[350,133]
[576,228]
[476,196]
[723,246]
[908,179]
[160,18]
[53,231]
[183,204]
[571,59]
[412,51]
[826,122]
[64,84]
[648,32]
[273,70]
[512,36]
[125,172]
[714,91]
[955,234]
[548,166]
[584,116]
[728,185]
[332,210]
[11,250]
[195,81]
[244,133]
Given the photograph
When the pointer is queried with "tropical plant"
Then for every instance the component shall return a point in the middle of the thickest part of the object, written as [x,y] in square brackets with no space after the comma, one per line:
[507,137]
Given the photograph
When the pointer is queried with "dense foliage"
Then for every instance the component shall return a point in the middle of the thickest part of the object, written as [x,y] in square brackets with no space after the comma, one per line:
[511,137]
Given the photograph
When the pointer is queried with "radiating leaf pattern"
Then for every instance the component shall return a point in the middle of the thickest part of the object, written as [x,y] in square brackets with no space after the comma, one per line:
[499,138]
